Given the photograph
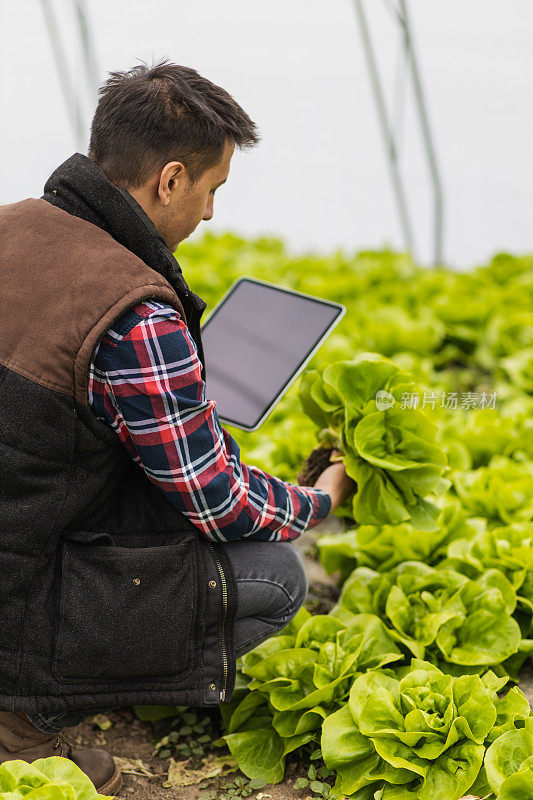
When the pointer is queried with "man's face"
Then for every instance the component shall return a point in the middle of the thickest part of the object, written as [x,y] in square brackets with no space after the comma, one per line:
[185,205]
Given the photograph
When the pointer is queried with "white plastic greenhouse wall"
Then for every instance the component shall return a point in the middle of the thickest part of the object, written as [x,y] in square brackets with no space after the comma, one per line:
[320,178]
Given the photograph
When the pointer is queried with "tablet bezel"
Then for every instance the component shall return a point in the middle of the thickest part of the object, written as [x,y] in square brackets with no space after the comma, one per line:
[341,312]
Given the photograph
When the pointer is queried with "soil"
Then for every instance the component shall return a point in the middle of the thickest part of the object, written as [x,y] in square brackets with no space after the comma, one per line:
[130,739]
[315,465]
[133,740]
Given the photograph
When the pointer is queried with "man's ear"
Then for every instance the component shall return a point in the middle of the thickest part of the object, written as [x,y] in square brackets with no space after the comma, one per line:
[171,176]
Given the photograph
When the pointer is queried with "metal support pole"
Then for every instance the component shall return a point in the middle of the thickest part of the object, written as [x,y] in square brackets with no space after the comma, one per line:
[69,94]
[87,44]
[438,213]
[388,137]
[68,85]
[391,145]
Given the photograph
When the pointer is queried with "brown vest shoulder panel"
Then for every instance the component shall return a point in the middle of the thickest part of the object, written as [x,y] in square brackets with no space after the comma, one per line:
[63,281]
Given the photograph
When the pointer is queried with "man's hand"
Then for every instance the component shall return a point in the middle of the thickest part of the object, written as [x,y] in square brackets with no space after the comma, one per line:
[336,482]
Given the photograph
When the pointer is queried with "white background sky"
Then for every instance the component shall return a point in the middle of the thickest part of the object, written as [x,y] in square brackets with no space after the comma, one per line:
[319,178]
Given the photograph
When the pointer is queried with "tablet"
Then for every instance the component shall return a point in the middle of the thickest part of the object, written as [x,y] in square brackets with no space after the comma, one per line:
[256,342]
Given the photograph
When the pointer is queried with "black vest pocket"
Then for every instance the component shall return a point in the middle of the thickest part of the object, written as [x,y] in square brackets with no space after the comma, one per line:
[127,612]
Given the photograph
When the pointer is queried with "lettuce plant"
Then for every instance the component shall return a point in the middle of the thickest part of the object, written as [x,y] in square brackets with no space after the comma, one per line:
[383,547]
[509,764]
[438,614]
[389,451]
[484,432]
[53,778]
[502,491]
[418,735]
[519,369]
[390,329]
[508,548]
[505,335]
[295,680]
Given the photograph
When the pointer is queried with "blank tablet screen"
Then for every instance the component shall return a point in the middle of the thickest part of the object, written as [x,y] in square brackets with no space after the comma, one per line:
[256,341]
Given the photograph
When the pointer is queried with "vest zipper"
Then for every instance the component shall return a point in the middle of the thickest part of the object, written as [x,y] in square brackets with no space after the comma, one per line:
[224,613]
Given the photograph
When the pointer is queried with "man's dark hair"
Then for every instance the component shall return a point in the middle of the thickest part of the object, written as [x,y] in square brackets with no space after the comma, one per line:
[151,115]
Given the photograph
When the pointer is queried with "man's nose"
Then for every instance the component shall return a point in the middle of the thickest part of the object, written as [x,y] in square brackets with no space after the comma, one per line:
[208,213]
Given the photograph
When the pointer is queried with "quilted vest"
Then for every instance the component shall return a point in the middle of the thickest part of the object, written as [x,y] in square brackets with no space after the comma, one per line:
[108,595]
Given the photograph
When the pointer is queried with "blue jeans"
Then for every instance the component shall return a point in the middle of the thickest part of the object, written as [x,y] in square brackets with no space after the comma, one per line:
[271,587]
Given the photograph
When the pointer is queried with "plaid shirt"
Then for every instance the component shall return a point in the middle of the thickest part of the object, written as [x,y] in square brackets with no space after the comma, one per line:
[145,381]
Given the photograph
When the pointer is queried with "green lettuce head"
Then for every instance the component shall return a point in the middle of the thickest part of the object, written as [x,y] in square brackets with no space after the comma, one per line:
[438,613]
[389,448]
[382,547]
[502,491]
[53,778]
[509,764]
[297,679]
[519,369]
[422,736]
[508,548]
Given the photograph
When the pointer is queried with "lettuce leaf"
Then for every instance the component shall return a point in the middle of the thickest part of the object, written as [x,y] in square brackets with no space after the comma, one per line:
[390,452]
[53,778]
[509,764]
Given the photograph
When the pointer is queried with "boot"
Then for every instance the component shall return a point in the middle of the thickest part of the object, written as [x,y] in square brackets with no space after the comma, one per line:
[20,739]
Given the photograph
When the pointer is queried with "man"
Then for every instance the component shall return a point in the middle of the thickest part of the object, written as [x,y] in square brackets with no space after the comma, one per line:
[137,553]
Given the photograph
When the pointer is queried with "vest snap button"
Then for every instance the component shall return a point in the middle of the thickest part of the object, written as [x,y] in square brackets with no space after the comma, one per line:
[212,584]
[212,687]
[136,581]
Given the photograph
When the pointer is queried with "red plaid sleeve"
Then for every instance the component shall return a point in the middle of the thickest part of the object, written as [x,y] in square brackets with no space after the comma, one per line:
[145,381]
